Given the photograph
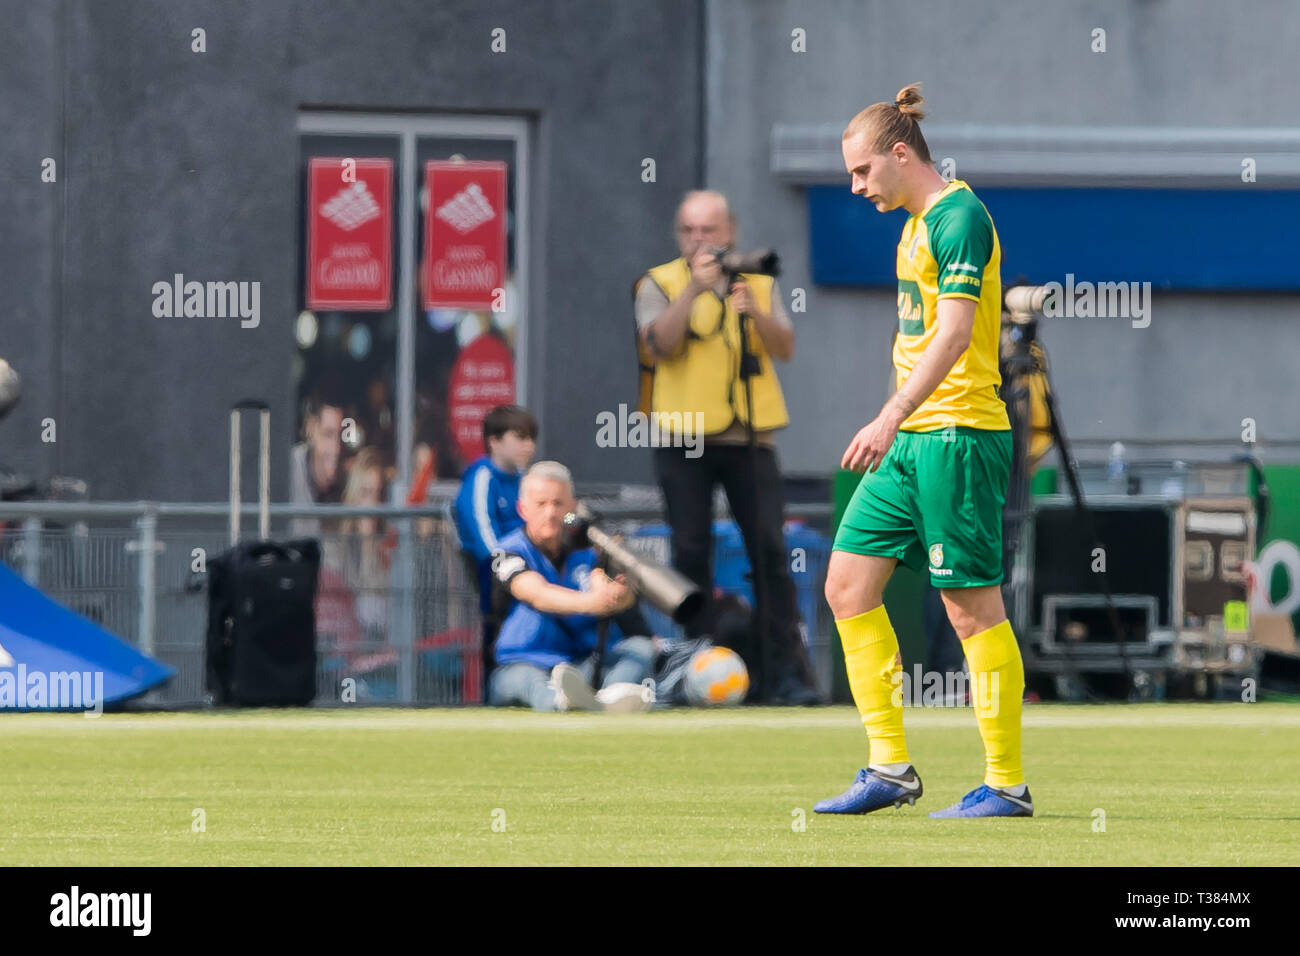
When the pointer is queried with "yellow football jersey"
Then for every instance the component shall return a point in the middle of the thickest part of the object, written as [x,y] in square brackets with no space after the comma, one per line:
[951,250]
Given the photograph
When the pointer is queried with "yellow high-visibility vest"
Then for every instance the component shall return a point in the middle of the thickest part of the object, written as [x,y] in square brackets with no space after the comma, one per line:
[1040,421]
[703,373]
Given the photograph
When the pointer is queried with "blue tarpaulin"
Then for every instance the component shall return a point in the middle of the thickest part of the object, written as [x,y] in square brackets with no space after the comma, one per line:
[44,643]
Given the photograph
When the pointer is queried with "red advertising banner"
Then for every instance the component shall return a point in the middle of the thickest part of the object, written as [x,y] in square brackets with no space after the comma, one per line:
[350,234]
[482,378]
[464,234]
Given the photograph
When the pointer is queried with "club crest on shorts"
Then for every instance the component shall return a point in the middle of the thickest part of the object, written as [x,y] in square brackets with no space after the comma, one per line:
[936,555]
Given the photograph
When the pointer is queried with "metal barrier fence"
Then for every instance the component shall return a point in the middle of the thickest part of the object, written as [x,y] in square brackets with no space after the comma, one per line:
[397,609]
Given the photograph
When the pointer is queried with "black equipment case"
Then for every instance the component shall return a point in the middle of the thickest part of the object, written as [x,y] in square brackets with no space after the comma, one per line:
[261,641]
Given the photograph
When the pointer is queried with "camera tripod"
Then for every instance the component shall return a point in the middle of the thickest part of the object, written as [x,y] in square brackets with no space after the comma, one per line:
[796,656]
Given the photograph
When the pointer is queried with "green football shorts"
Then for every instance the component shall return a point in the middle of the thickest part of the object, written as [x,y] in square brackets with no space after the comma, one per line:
[937,495]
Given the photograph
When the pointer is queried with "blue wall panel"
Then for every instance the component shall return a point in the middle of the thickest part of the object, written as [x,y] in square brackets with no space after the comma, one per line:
[1240,239]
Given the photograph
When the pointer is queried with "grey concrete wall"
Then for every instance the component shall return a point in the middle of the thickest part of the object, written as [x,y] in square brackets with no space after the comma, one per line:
[1206,362]
[171,161]
[30,115]
[174,161]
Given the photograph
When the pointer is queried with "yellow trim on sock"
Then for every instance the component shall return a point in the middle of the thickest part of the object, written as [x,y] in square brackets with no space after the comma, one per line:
[997,686]
[871,659]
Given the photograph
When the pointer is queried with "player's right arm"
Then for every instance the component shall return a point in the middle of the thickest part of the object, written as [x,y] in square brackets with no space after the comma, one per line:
[956,318]
[961,245]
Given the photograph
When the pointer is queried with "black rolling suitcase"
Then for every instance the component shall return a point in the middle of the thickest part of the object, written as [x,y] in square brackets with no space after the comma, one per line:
[261,641]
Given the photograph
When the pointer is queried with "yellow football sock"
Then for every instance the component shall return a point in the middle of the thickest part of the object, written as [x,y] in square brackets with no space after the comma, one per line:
[997,685]
[871,658]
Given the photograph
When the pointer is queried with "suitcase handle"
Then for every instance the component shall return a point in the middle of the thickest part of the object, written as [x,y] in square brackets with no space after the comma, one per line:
[263,548]
[297,550]
[264,469]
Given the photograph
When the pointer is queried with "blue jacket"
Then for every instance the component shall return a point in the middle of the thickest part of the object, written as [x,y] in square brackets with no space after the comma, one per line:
[485,513]
[528,635]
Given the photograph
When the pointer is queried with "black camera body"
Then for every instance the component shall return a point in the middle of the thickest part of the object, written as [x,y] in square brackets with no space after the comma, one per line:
[758,262]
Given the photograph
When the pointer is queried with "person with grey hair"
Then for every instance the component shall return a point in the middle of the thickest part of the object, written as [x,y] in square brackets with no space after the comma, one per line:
[554,599]
[690,348]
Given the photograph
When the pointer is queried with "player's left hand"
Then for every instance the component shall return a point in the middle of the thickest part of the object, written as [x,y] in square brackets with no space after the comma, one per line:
[870,444]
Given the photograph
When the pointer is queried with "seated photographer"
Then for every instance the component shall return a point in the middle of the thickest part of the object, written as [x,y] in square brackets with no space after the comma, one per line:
[553,599]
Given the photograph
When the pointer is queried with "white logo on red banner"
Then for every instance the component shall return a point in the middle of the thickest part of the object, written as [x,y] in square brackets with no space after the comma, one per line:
[349,235]
[467,210]
[465,234]
[351,207]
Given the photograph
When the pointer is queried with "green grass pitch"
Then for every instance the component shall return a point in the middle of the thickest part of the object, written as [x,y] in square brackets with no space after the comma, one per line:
[1177,784]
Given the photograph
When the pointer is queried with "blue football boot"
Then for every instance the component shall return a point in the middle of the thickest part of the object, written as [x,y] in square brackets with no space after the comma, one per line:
[874,790]
[986,801]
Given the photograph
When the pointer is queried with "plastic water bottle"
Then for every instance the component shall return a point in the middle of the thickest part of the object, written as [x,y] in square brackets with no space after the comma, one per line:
[1175,486]
[1117,470]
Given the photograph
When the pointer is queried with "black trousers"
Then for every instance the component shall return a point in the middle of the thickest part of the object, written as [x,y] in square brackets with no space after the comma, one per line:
[756,498]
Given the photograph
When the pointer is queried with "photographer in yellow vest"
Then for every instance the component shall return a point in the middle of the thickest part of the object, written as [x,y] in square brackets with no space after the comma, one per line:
[689,337]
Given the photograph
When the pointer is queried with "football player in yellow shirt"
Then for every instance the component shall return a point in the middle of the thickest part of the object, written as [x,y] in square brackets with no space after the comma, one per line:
[936,462]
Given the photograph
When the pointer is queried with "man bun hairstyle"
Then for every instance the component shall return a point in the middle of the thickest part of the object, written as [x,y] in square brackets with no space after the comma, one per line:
[909,100]
[885,124]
